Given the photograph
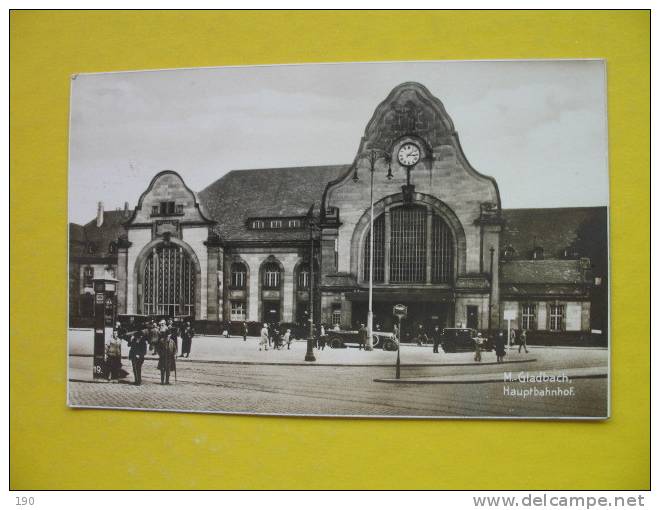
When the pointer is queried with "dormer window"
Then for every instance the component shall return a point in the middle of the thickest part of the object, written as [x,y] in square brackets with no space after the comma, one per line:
[112,247]
[275,223]
[155,210]
[258,224]
[91,248]
[537,253]
[294,223]
[509,252]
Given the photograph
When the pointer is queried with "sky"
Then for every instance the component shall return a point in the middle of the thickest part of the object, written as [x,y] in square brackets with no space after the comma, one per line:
[538,127]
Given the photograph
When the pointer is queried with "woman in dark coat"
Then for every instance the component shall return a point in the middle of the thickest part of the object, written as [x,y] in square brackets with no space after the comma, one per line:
[500,345]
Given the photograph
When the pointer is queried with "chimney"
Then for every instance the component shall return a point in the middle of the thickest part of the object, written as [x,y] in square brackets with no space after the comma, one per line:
[126,211]
[99,215]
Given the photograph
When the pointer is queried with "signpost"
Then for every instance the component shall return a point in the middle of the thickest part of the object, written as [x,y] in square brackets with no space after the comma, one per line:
[101,287]
[400,311]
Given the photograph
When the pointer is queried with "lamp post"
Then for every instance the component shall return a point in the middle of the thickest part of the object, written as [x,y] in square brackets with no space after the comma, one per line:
[309,355]
[490,296]
[373,156]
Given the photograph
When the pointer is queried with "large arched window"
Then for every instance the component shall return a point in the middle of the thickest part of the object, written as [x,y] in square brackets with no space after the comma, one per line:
[169,282]
[271,276]
[417,252]
[238,275]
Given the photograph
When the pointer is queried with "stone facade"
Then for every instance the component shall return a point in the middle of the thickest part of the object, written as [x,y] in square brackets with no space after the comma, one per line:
[260,222]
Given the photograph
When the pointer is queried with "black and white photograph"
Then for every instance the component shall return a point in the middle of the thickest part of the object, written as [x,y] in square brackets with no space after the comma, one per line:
[386,240]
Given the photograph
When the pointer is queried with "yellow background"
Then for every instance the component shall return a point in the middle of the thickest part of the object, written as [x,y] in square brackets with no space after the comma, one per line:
[53,447]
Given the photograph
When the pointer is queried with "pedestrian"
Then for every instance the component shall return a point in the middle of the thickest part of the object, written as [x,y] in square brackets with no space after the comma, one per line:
[277,340]
[477,347]
[522,338]
[264,338]
[187,335]
[166,358]
[435,335]
[287,339]
[244,330]
[153,335]
[337,327]
[362,337]
[113,354]
[322,338]
[137,351]
[512,337]
[421,334]
[500,345]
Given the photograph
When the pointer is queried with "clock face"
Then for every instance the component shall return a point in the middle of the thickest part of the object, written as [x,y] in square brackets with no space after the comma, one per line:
[408,154]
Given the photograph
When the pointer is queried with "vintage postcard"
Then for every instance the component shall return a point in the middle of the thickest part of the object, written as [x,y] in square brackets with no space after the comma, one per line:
[409,239]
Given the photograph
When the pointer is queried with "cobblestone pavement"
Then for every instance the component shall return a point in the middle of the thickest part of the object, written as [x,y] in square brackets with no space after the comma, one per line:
[345,390]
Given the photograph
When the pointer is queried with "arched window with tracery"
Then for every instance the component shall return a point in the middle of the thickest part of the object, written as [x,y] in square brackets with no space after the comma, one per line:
[417,252]
[238,275]
[271,275]
[169,282]
[379,251]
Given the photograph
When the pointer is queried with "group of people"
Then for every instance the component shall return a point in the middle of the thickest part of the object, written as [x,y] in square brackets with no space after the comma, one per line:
[161,337]
[271,336]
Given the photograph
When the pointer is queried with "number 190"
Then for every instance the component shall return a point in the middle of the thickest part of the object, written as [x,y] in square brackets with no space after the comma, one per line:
[24,500]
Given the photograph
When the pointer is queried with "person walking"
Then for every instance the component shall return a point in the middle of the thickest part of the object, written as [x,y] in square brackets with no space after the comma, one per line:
[322,338]
[287,339]
[522,338]
[500,345]
[362,335]
[435,335]
[477,347]
[263,339]
[166,358]
[137,351]
[113,353]
[187,335]
[154,333]
[244,331]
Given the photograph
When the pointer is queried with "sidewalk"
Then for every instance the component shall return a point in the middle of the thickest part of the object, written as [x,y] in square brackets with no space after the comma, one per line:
[215,349]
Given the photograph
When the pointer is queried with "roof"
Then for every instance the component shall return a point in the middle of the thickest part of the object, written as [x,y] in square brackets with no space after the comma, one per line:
[101,237]
[271,192]
[542,272]
[582,228]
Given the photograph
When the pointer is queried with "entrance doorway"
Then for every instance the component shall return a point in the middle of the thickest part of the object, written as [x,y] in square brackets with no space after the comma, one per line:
[427,313]
[271,311]
[472,316]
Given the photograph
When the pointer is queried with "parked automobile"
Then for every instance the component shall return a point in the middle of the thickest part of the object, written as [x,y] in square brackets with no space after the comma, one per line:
[381,340]
[462,339]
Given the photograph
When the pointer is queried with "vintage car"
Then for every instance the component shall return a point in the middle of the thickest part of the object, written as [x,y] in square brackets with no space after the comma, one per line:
[462,339]
[342,339]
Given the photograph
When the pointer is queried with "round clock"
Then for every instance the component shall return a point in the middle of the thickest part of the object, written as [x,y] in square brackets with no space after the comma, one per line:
[408,154]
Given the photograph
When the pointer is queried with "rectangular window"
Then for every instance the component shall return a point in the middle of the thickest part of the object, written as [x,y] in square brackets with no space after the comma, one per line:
[238,311]
[238,279]
[557,314]
[258,224]
[294,223]
[275,223]
[336,314]
[88,276]
[155,210]
[528,316]
[179,208]
[272,279]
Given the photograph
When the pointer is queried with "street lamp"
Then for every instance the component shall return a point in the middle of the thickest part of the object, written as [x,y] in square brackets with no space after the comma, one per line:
[311,223]
[373,156]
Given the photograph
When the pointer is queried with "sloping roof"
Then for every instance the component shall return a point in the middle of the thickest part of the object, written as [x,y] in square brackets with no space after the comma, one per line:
[542,272]
[584,228]
[101,237]
[272,192]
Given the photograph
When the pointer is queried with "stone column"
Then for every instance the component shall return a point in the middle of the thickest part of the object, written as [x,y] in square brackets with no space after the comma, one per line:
[122,276]
[214,258]
[287,290]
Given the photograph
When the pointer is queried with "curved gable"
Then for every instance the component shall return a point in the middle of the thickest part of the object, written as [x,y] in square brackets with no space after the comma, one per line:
[167,187]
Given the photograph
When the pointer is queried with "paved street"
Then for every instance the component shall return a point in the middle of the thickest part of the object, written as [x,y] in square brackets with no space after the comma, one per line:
[229,375]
